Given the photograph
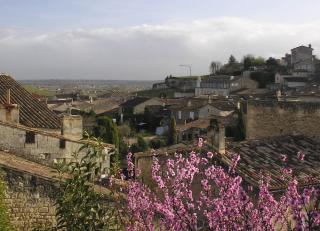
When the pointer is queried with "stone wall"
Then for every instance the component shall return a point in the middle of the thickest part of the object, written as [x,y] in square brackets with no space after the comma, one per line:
[269,119]
[29,200]
[43,148]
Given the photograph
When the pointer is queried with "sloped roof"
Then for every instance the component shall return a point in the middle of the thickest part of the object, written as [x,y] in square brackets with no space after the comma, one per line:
[265,155]
[32,112]
[134,102]
[200,123]
[223,105]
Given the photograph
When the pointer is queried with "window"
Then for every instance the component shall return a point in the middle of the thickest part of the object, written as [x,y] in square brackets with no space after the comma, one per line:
[192,115]
[179,115]
[30,137]
[62,144]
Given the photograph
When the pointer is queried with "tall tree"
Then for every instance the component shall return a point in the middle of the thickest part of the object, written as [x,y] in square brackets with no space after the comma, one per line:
[232,60]
[248,61]
[107,130]
[214,67]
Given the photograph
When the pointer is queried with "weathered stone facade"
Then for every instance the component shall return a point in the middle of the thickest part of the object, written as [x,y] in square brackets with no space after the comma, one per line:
[29,200]
[40,146]
[270,119]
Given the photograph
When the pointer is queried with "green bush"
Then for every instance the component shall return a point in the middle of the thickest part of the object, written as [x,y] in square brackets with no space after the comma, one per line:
[157,143]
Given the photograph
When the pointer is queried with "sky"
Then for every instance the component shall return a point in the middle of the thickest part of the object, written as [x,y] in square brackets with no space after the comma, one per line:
[146,39]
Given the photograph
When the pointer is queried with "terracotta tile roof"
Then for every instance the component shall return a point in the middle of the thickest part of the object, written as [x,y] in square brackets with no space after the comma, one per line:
[32,112]
[264,155]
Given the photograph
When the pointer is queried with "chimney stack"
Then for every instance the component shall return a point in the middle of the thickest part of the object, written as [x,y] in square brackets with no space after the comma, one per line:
[72,127]
[9,112]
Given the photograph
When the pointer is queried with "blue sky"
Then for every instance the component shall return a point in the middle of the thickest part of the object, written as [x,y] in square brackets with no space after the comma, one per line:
[145,39]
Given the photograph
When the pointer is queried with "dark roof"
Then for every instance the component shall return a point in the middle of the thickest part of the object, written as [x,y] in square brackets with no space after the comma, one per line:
[265,155]
[134,102]
[32,112]
[223,105]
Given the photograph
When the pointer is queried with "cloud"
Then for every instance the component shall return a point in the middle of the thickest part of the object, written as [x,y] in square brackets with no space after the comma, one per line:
[146,51]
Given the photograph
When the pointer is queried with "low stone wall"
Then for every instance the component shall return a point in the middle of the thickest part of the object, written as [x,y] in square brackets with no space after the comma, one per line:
[29,200]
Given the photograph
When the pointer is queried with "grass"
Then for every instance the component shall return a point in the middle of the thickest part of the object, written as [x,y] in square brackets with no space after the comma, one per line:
[39,91]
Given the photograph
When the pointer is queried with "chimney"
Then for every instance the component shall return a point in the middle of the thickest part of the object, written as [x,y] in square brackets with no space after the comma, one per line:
[218,136]
[309,45]
[9,113]
[222,139]
[72,127]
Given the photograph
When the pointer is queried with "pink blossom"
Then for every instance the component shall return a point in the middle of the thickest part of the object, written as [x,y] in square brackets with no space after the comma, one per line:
[210,155]
[300,156]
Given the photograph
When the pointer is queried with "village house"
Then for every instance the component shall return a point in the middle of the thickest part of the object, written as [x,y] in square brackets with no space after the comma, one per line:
[29,129]
[300,59]
[197,108]
[136,106]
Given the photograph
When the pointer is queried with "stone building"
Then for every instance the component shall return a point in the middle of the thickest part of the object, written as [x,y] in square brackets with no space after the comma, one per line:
[195,108]
[137,105]
[300,59]
[29,129]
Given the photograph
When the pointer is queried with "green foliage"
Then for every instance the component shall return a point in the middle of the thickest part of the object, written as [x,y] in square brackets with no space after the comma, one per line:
[214,67]
[140,146]
[233,67]
[232,60]
[263,78]
[5,224]
[107,130]
[172,133]
[79,206]
[124,130]
[39,91]
[251,61]
[123,149]
[157,143]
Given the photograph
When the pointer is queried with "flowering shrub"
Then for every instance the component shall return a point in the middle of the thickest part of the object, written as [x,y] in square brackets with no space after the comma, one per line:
[190,193]
[221,204]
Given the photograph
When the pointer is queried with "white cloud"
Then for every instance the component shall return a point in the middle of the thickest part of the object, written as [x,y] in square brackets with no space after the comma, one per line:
[146,51]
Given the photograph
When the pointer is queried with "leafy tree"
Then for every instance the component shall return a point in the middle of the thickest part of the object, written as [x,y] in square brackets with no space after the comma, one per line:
[78,205]
[233,67]
[142,144]
[172,133]
[124,130]
[123,149]
[259,61]
[107,130]
[248,61]
[251,61]
[214,67]
[232,60]
[157,143]
[5,224]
